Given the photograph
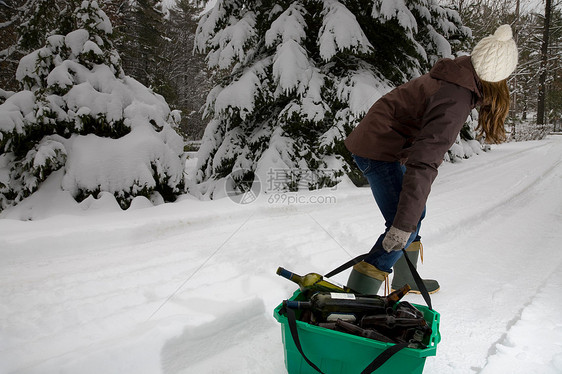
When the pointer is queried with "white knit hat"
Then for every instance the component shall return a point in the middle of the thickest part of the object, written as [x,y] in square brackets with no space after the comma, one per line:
[495,57]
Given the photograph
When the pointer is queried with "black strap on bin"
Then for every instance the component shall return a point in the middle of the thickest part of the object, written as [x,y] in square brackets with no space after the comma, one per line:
[295,334]
[387,353]
[383,357]
[347,265]
[419,281]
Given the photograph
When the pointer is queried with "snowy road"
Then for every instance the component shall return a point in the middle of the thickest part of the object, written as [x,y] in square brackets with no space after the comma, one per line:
[190,287]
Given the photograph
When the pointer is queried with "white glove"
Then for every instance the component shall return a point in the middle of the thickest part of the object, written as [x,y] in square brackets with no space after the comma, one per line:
[395,239]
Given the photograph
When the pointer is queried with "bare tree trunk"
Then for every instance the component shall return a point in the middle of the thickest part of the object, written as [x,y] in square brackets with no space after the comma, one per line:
[515,87]
[516,28]
[544,60]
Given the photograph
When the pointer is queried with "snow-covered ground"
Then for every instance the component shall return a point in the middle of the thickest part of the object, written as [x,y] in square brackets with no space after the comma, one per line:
[190,287]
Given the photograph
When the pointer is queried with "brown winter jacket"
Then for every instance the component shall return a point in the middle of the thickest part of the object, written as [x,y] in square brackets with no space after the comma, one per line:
[416,123]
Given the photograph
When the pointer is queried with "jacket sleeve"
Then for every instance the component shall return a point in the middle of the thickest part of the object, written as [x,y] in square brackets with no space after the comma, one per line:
[442,121]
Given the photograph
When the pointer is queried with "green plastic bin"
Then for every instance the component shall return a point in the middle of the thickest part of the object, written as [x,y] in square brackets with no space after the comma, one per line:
[336,352]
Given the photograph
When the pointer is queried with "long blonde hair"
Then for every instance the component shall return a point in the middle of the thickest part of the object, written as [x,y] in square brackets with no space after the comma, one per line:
[493,111]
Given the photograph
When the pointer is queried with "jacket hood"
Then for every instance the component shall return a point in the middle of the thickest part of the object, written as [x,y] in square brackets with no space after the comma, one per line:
[458,71]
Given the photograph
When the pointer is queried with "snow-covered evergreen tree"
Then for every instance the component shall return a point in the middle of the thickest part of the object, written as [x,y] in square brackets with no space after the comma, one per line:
[79,115]
[302,74]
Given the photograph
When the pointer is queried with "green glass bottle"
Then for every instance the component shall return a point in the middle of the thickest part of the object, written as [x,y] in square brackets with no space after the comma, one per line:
[313,282]
[323,304]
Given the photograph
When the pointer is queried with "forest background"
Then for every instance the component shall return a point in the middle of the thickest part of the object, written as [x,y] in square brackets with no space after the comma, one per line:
[264,86]
[156,42]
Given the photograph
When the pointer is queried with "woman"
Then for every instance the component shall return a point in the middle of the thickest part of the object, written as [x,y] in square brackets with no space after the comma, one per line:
[402,141]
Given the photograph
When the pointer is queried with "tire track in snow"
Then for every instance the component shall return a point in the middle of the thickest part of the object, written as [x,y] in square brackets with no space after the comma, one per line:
[518,193]
[495,351]
[352,234]
[500,160]
[525,348]
[491,270]
[85,278]
[93,290]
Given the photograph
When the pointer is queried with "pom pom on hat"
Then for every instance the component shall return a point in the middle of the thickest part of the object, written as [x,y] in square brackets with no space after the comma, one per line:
[495,57]
[503,33]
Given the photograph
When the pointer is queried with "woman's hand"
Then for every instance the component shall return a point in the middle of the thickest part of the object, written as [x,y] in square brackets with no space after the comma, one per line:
[395,239]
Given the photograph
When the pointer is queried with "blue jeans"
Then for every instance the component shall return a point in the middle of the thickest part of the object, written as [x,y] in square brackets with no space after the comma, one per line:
[385,179]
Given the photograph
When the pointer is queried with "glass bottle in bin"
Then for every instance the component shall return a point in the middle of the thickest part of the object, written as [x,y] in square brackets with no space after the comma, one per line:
[323,304]
[405,323]
[359,331]
[313,282]
[395,296]
[391,322]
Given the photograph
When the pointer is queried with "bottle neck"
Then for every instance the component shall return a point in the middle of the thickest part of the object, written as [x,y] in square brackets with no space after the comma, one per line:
[289,275]
[298,304]
[395,296]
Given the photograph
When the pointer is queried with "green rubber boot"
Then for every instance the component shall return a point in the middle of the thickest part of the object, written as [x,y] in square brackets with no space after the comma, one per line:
[403,275]
[366,279]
